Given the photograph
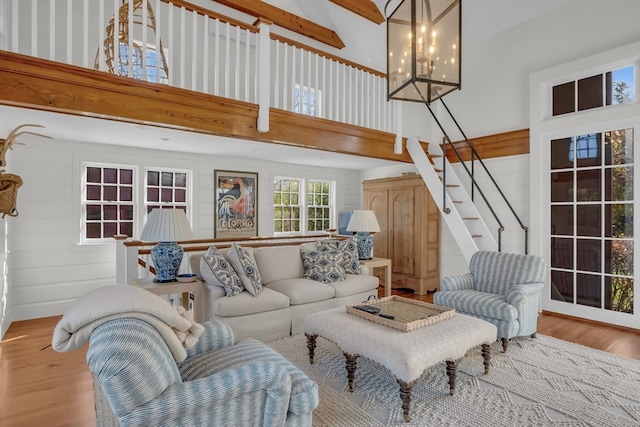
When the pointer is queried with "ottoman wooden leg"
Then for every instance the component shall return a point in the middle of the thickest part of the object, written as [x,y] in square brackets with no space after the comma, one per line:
[405,395]
[311,345]
[452,370]
[351,369]
[486,357]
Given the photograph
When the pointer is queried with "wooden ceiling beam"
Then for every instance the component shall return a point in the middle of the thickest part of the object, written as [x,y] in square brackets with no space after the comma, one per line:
[287,20]
[365,8]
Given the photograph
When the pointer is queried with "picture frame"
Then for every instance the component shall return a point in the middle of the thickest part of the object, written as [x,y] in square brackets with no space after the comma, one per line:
[236,204]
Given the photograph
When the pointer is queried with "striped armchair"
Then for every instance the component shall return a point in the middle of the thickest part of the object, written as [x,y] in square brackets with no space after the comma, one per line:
[219,383]
[501,288]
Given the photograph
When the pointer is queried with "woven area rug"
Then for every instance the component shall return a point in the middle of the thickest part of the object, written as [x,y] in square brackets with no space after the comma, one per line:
[542,382]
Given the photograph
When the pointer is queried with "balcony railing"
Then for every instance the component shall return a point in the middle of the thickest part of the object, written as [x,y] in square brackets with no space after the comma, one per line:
[186,46]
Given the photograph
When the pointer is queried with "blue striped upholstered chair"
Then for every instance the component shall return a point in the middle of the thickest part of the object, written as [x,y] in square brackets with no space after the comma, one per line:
[219,384]
[501,288]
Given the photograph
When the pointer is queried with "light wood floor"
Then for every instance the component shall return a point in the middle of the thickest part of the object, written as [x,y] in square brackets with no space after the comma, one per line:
[42,387]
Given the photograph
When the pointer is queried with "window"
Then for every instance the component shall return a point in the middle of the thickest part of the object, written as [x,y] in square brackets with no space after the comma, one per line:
[609,88]
[293,208]
[107,202]
[166,188]
[306,101]
[155,61]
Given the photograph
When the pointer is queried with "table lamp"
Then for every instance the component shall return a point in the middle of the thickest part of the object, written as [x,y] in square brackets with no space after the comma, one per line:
[364,223]
[167,227]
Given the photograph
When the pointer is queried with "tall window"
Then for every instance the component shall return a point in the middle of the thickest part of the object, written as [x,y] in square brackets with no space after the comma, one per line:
[307,101]
[302,206]
[166,188]
[591,215]
[108,201]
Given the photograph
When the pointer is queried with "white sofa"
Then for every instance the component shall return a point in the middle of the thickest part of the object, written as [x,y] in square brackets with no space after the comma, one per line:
[287,297]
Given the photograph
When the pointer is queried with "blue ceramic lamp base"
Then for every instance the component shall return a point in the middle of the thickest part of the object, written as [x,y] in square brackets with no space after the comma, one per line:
[365,245]
[167,257]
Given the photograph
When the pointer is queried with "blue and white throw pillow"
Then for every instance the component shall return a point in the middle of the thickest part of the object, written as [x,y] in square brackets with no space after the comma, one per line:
[323,266]
[216,270]
[349,249]
[245,265]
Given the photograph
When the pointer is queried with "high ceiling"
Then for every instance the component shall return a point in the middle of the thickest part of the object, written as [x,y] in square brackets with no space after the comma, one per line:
[365,43]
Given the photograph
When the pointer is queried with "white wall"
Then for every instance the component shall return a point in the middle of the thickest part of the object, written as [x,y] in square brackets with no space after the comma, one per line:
[48,268]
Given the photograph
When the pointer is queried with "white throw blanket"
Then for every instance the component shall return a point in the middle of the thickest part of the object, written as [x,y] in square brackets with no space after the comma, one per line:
[175,325]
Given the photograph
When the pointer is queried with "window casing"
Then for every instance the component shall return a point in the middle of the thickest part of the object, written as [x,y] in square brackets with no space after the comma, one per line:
[303,205]
[110,198]
[167,188]
[108,201]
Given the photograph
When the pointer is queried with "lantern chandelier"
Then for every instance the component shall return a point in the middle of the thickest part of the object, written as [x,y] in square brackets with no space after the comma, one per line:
[423,49]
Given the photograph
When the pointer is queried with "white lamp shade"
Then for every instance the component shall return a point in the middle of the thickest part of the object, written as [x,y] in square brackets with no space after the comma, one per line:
[363,221]
[166,225]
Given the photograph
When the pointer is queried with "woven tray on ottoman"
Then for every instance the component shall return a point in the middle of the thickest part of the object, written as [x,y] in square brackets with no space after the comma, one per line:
[408,314]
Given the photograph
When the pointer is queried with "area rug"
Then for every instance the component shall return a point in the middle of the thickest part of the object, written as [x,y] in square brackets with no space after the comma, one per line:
[538,382]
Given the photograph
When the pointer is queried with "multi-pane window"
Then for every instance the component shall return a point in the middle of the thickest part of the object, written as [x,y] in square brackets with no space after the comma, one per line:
[287,205]
[155,69]
[108,201]
[610,88]
[302,206]
[592,219]
[318,205]
[166,188]
[306,101]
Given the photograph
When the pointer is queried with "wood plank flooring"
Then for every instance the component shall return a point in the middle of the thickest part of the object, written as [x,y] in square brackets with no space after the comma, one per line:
[39,386]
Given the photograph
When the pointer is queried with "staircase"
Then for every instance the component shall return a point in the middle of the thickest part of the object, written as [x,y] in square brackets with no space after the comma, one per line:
[456,207]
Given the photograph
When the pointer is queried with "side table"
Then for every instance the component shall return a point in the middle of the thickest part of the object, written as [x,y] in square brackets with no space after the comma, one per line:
[384,263]
[184,288]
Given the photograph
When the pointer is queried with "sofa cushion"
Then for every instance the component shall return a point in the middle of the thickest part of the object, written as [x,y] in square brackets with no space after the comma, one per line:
[323,266]
[217,270]
[354,284]
[245,265]
[303,291]
[349,249]
[245,303]
[493,306]
[278,262]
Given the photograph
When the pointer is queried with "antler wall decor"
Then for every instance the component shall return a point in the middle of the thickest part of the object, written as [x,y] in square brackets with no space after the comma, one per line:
[9,183]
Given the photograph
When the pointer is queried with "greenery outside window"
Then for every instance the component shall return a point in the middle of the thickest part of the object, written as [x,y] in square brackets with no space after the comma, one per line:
[303,206]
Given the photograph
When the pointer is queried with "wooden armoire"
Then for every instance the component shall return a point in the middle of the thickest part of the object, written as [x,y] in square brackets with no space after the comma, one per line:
[409,231]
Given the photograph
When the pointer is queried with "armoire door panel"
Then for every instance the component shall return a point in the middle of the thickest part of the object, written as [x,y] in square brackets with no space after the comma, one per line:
[378,202]
[402,217]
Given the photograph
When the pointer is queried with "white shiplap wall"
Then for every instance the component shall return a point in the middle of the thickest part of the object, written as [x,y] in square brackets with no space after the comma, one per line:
[48,269]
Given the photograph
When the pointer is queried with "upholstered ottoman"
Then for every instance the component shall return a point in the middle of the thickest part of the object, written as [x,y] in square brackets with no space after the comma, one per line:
[405,354]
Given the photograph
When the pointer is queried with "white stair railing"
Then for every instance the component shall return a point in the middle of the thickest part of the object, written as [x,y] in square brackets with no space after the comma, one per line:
[456,207]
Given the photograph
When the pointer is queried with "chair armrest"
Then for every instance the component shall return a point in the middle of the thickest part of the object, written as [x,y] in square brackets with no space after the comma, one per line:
[457,283]
[217,334]
[213,396]
[519,293]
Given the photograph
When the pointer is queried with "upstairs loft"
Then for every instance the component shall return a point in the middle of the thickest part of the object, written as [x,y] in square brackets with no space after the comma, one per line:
[180,66]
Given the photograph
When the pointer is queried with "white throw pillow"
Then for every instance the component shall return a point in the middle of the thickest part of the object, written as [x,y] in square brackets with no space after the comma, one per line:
[245,265]
[216,270]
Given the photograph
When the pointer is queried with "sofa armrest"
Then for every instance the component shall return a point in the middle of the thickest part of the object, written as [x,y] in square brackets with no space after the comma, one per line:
[217,334]
[518,294]
[457,283]
[231,388]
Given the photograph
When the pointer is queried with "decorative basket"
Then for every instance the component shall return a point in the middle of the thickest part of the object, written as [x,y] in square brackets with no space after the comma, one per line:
[409,314]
